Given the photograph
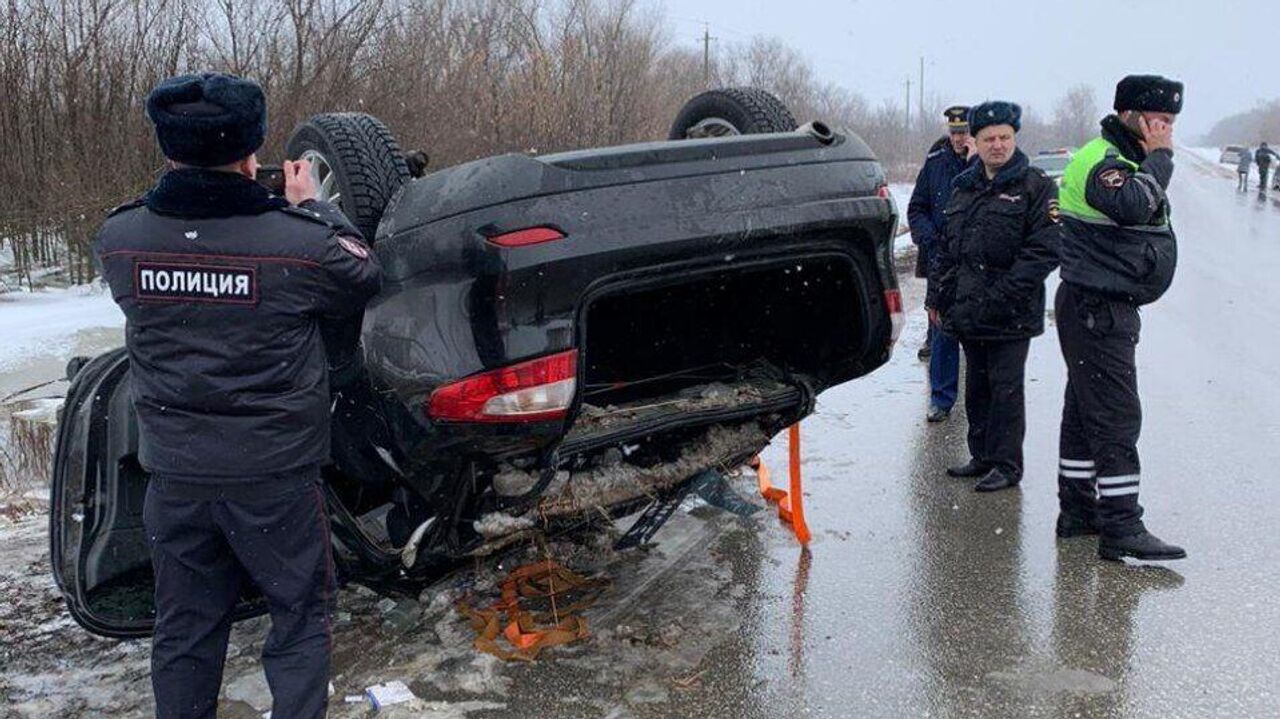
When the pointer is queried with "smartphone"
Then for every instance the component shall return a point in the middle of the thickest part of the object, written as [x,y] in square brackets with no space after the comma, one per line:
[272,178]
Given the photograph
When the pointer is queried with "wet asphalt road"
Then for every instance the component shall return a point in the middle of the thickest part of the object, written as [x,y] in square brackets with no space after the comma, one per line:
[918,597]
[922,598]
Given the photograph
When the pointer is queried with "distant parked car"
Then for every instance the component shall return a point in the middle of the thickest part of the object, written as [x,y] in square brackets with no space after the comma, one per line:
[1053,162]
[1231,155]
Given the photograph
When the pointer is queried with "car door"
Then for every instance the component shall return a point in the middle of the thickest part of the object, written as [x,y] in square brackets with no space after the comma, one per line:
[98,548]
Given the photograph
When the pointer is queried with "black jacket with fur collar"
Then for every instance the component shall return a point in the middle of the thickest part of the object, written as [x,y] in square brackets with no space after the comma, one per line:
[224,288]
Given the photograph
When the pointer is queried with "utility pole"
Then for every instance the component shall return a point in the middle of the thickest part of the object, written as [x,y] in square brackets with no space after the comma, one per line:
[706,54]
[908,102]
[906,126]
[920,107]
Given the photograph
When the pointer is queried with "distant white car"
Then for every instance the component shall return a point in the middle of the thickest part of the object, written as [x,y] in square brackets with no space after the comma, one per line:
[1231,155]
[1053,162]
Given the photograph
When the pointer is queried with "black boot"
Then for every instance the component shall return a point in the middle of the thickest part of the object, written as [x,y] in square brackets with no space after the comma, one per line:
[938,414]
[972,468]
[1075,525]
[994,481]
[1143,546]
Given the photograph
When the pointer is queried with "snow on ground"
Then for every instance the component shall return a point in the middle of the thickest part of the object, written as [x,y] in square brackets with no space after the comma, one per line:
[46,322]
[1209,154]
[901,192]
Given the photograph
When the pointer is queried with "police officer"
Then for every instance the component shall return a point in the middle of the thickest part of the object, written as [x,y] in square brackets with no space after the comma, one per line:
[225,287]
[946,159]
[1002,237]
[1118,253]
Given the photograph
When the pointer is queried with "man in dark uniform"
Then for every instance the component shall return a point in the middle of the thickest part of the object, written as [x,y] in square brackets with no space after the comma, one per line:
[946,159]
[1263,157]
[225,287]
[1002,237]
[1118,253]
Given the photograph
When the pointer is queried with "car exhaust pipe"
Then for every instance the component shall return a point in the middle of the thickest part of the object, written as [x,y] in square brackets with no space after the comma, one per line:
[819,131]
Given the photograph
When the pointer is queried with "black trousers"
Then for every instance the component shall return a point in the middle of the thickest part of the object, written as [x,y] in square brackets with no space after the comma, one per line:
[1098,470]
[995,403]
[206,541]
[1263,170]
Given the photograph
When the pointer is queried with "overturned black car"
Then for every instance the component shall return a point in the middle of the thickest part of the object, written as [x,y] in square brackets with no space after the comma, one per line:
[560,338]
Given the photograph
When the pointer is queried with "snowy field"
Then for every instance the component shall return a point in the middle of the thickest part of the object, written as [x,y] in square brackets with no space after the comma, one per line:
[1208,154]
[46,322]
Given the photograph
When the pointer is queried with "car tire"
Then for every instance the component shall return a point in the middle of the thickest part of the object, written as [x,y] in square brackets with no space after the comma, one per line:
[363,157]
[732,111]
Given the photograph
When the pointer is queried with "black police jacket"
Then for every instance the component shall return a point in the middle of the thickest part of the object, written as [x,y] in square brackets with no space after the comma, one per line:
[1132,253]
[929,199]
[224,288]
[1001,243]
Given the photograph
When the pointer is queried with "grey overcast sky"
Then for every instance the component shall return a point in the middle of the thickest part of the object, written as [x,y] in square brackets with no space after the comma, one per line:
[1226,51]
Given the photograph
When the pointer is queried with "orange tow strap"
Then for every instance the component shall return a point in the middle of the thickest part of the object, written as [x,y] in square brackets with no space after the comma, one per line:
[557,593]
[790,503]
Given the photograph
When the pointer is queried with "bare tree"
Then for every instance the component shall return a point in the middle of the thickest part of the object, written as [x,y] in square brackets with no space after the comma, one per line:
[1261,124]
[1076,116]
[460,79]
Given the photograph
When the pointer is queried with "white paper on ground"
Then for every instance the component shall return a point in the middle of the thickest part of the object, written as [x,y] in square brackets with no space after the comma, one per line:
[390,693]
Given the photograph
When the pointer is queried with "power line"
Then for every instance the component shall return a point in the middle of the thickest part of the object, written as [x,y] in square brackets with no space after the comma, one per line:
[720,27]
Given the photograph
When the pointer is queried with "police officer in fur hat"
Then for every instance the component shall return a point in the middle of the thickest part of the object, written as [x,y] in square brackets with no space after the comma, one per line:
[225,288]
[988,289]
[1118,253]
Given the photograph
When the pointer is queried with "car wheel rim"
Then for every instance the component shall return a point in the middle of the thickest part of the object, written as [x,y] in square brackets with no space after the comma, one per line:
[325,179]
[712,127]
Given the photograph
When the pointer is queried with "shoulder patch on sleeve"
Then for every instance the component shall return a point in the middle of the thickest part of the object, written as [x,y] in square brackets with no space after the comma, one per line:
[1113,178]
[354,247]
[1055,211]
[931,155]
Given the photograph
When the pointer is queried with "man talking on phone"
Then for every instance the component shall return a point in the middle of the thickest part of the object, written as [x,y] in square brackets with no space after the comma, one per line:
[1118,253]
[225,289]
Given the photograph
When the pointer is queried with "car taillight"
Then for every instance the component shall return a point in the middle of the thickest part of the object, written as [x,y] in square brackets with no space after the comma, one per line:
[893,302]
[533,391]
[527,236]
[883,192]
